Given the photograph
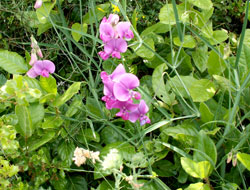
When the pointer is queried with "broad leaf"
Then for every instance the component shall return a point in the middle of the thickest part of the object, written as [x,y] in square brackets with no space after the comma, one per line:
[48,84]
[36,142]
[202,90]
[24,126]
[196,169]
[205,149]
[78,27]
[44,11]
[244,159]
[71,91]
[198,186]
[189,41]
[206,114]
[12,62]
[158,84]
[200,57]
[203,4]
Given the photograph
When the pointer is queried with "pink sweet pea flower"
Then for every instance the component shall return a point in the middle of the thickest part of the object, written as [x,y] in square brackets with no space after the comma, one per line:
[43,68]
[38,4]
[125,108]
[140,114]
[123,89]
[123,30]
[115,46]
[107,32]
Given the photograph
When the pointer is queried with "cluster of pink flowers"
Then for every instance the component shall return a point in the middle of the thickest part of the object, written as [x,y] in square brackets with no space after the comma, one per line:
[43,68]
[114,35]
[118,93]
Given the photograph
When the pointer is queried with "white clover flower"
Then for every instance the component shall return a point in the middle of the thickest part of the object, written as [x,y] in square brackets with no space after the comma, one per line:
[113,160]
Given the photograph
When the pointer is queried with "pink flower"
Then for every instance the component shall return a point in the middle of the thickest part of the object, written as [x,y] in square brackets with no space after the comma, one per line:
[140,114]
[123,89]
[114,47]
[43,68]
[125,108]
[38,4]
[113,33]
[123,30]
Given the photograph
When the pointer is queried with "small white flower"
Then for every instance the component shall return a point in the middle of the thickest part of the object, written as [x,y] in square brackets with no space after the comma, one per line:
[113,160]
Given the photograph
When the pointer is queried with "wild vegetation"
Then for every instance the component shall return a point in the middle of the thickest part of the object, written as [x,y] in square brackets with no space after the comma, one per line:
[149,95]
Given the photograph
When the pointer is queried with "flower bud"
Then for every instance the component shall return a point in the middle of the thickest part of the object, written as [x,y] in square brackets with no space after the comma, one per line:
[38,4]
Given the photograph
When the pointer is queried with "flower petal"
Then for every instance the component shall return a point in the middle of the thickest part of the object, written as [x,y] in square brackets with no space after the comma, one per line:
[143,108]
[121,93]
[120,70]
[129,80]
[133,116]
[49,66]
[121,45]
[38,67]
[31,73]
[106,32]
[113,19]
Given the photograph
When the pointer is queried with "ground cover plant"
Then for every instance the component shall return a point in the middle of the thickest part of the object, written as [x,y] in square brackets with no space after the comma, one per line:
[149,95]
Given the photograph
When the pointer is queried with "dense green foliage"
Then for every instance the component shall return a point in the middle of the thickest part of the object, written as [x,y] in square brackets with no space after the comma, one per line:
[193,61]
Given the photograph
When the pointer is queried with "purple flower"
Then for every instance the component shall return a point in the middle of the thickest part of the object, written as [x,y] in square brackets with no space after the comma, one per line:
[38,4]
[123,89]
[113,33]
[123,30]
[125,108]
[139,113]
[115,46]
[43,68]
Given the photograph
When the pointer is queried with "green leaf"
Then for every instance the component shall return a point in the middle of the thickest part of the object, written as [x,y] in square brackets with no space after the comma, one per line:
[206,114]
[71,91]
[196,169]
[36,142]
[48,84]
[215,64]
[109,135]
[202,90]
[52,122]
[156,28]
[88,135]
[12,62]
[186,133]
[44,11]
[36,113]
[178,87]
[78,27]
[143,51]
[167,16]
[43,28]
[205,149]
[158,84]
[203,4]
[200,57]
[66,151]
[77,183]
[198,186]
[24,126]
[164,168]
[244,159]
[219,36]
[224,83]
[189,41]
